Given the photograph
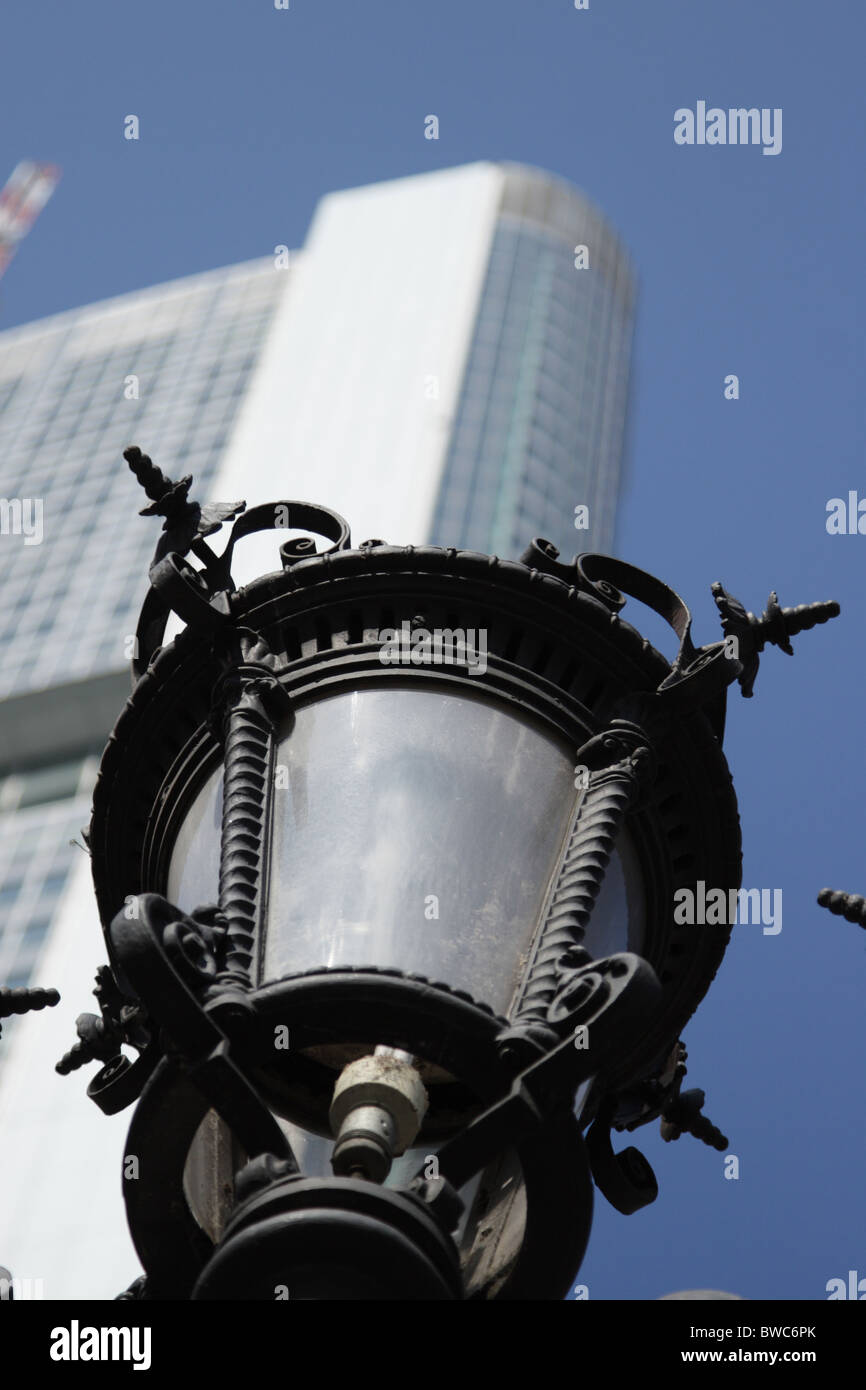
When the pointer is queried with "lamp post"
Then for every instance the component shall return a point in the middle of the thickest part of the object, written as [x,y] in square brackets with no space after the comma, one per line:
[386,848]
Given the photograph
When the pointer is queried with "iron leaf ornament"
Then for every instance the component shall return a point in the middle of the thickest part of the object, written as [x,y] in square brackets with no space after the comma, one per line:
[776,625]
[186,523]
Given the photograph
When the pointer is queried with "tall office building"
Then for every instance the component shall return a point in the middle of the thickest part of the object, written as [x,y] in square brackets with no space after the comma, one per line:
[446,360]
[440,370]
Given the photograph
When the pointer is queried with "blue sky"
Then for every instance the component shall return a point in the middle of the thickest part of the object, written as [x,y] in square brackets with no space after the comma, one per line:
[748,264]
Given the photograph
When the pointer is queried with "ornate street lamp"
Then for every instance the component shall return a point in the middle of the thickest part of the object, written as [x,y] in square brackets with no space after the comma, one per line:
[390,925]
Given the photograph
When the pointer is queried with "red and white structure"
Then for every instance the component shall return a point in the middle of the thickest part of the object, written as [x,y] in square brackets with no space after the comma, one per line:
[25,194]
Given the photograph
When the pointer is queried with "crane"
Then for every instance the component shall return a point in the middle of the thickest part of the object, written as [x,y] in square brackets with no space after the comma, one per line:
[25,194]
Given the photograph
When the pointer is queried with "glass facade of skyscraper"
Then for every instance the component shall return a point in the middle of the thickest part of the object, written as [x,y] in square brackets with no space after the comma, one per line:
[541,417]
[168,366]
[41,818]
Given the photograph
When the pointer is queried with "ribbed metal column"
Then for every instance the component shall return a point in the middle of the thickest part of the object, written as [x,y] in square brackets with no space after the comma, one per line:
[252,701]
[597,821]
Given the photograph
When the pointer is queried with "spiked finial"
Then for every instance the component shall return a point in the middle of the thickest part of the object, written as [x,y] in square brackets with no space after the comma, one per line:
[171,500]
[776,625]
[779,625]
[168,498]
[682,1115]
[847,905]
[25,1001]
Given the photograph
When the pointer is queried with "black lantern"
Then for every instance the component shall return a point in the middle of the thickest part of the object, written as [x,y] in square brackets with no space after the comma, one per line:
[386,848]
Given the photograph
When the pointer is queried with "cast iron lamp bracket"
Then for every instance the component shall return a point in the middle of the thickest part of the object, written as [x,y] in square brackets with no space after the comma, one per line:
[532,1115]
[122,1021]
[201,597]
[144,945]
[612,999]
[626,1178]
[659,1096]
[699,674]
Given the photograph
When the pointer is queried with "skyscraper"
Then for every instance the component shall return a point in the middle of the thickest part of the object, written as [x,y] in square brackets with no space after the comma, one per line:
[442,371]
[446,360]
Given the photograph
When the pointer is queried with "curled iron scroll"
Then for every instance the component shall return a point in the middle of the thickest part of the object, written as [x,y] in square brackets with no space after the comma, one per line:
[600,573]
[699,676]
[198,596]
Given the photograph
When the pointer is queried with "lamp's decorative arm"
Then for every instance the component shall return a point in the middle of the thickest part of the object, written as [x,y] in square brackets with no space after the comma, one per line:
[847,905]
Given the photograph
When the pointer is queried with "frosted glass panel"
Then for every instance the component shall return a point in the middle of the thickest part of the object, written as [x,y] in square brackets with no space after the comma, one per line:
[413,829]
